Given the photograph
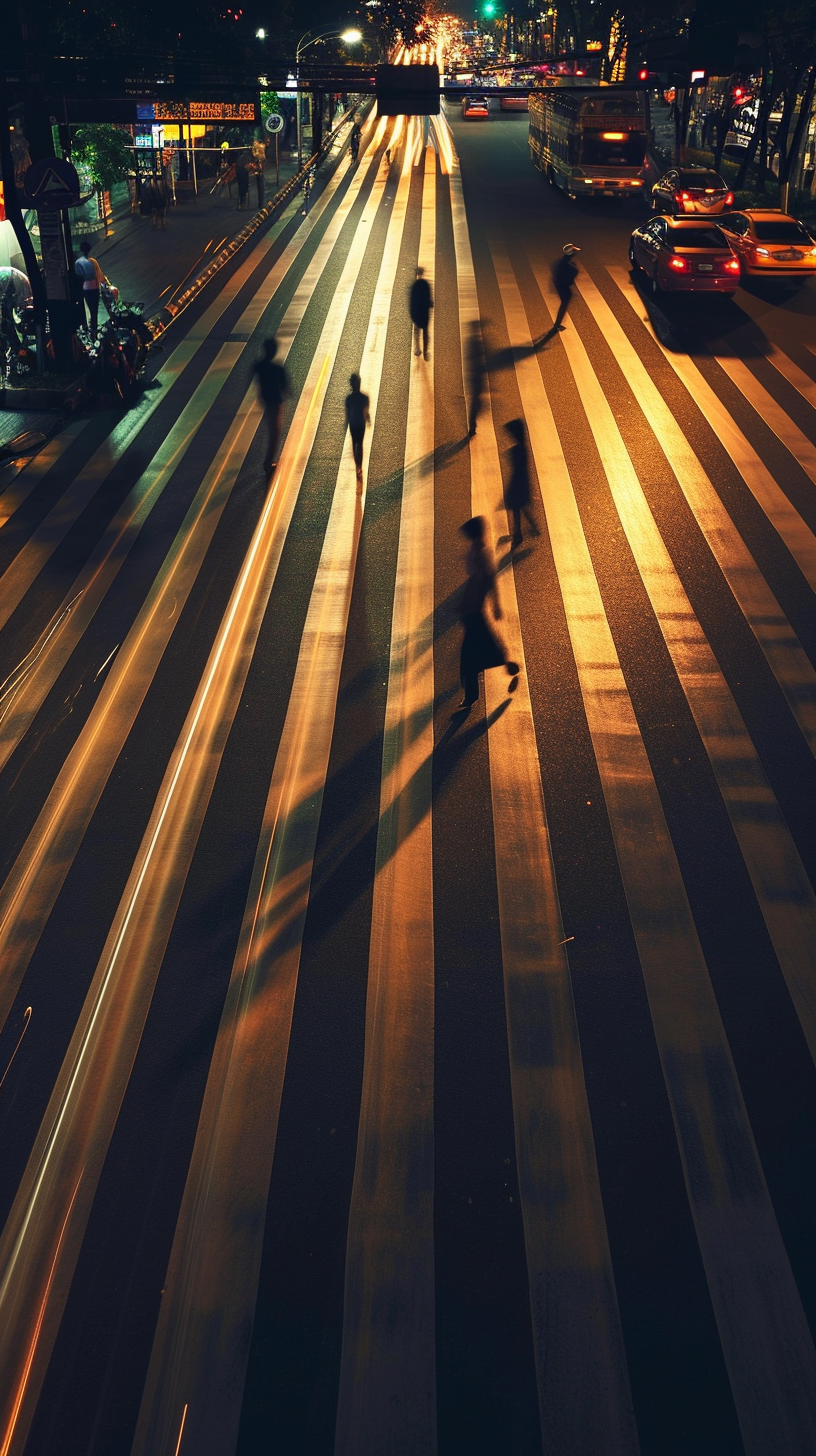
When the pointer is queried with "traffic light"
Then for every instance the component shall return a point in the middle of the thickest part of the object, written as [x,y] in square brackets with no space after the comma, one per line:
[643,73]
[741,95]
[489,9]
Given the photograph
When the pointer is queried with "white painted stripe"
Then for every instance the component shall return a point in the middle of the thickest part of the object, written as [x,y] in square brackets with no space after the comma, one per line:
[787,521]
[786,658]
[582,1376]
[770,411]
[87,592]
[41,1241]
[780,882]
[387,1394]
[753,1293]
[18,481]
[218,1243]
[800,380]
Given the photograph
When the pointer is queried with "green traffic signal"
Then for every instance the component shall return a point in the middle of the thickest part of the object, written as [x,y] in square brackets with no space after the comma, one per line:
[488,9]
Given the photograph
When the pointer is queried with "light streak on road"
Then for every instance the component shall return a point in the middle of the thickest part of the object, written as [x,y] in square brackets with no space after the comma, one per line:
[217,1247]
[83,1108]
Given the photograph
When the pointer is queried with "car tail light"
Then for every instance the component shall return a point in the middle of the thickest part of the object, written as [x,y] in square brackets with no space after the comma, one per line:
[732,265]
[729,199]
[681,197]
[680,265]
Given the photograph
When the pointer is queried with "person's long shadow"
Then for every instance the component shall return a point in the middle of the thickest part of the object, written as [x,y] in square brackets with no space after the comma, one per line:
[348,865]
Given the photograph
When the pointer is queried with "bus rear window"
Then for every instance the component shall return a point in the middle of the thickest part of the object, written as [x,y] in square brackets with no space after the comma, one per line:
[596,152]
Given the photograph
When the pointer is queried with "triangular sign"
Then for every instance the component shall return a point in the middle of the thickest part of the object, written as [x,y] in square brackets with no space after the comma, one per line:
[50,183]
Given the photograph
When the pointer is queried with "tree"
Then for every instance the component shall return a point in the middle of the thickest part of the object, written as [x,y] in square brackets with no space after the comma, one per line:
[103,152]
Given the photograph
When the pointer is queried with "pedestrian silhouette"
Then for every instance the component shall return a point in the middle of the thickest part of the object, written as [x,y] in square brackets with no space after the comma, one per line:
[273,387]
[564,274]
[420,305]
[242,178]
[517,495]
[307,192]
[354,141]
[481,648]
[357,417]
[476,373]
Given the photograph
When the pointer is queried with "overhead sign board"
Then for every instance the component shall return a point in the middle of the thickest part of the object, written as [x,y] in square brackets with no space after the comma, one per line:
[198,111]
[51,184]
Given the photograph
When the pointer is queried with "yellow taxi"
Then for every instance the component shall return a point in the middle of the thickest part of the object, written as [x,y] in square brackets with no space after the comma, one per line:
[770,243]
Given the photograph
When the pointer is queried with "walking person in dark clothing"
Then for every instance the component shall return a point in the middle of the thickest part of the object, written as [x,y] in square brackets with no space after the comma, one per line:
[420,305]
[476,374]
[273,387]
[357,418]
[242,178]
[564,274]
[517,495]
[481,648]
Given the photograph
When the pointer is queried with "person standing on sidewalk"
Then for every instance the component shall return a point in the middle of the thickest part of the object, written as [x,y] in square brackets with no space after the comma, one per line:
[91,274]
[564,274]
[273,388]
[481,648]
[357,418]
[420,304]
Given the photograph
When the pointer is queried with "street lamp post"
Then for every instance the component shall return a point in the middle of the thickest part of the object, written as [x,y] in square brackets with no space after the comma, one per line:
[350,37]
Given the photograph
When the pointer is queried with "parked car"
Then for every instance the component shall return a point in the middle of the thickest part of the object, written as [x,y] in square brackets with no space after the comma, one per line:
[684,190]
[770,243]
[513,103]
[475,108]
[684,254]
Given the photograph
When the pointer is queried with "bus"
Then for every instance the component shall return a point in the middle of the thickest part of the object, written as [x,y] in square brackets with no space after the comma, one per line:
[590,140]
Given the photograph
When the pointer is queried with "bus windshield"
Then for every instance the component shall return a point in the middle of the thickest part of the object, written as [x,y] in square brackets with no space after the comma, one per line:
[600,151]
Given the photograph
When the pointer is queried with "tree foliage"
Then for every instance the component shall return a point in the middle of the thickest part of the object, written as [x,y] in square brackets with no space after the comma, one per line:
[104,153]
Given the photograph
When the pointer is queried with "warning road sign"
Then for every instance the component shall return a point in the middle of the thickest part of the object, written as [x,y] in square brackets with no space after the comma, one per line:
[51,184]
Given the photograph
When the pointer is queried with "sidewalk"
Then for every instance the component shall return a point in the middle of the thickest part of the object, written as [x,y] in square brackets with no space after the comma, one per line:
[150,266]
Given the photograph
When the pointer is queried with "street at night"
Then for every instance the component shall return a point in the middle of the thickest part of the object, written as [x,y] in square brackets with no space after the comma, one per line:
[382,1076]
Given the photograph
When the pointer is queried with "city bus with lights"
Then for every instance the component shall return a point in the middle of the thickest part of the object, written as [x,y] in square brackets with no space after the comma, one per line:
[590,140]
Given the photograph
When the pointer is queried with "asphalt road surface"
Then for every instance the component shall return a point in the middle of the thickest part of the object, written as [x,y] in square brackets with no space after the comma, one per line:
[377,1080]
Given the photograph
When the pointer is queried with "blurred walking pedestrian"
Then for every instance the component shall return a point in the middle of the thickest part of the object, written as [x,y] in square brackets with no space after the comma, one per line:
[357,418]
[517,495]
[481,648]
[273,388]
[354,141]
[158,203]
[258,159]
[91,274]
[307,192]
[419,306]
[564,274]
[242,178]
[476,373]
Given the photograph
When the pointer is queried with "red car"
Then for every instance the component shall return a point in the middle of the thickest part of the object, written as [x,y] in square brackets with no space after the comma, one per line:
[684,254]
